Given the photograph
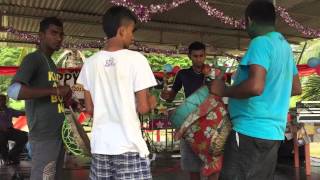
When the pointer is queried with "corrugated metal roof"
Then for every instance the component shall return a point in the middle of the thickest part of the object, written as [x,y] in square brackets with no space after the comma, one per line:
[181,25]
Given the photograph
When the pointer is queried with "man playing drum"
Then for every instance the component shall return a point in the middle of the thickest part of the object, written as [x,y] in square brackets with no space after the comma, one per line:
[190,79]
[259,98]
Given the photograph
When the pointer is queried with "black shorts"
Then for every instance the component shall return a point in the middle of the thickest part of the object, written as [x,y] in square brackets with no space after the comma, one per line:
[249,158]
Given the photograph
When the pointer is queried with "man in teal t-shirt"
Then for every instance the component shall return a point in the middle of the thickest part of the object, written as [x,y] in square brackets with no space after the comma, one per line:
[265,116]
[259,98]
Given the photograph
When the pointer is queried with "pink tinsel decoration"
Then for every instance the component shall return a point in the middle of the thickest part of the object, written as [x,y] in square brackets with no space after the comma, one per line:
[144,14]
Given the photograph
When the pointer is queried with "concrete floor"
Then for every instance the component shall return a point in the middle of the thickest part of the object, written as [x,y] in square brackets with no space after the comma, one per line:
[162,169]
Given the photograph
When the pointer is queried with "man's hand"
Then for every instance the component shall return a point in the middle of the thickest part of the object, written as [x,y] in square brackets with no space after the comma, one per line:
[64,91]
[165,94]
[218,87]
[168,95]
[68,96]
[206,70]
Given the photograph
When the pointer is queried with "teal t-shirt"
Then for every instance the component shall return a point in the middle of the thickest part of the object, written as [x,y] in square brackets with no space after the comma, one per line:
[265,116]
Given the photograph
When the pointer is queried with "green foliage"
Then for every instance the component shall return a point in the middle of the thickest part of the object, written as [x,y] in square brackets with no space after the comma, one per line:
[311,89]
[88,53]
[56,55]
[294,100]
[310,84]
[18,105]
[157,61]
[4,83]
[13,56]
[9,56]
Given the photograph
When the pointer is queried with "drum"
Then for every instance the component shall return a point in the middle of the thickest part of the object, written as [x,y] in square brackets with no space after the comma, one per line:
[188,106]
[74,137]
[206,130]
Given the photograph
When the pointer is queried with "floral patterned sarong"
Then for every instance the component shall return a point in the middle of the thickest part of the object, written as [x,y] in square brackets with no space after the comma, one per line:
[206,130]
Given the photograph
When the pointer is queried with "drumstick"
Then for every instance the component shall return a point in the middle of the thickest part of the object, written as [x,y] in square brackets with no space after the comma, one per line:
[167,68]
[165,81]
[72,112]
[80,130]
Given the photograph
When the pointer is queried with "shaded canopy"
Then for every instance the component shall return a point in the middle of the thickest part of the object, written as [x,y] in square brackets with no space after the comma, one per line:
[174,28]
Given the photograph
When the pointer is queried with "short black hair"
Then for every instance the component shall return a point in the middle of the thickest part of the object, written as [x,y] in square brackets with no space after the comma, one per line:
[114,18]
[196,46]
[45,23]
[261,12]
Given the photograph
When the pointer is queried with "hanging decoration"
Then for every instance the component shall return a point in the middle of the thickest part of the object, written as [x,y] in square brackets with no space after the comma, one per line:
[23,36]
[306,31]
[215,13]
[144,14]
[32,38]
[144,48]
